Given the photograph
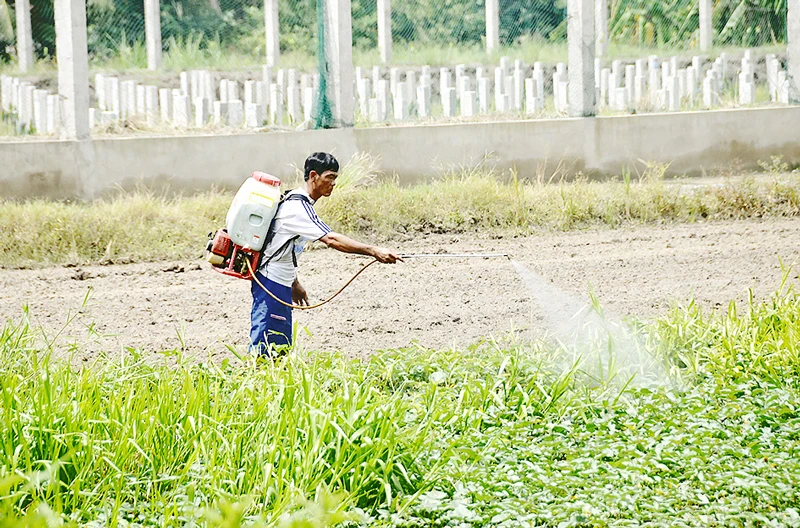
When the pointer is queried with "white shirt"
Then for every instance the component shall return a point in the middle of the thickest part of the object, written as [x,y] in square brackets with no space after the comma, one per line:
[295,218]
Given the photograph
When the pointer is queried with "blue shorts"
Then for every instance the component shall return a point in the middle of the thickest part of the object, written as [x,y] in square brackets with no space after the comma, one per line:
[270,321]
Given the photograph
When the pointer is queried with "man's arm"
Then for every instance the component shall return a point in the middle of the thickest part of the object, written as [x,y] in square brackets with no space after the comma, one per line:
[345,244]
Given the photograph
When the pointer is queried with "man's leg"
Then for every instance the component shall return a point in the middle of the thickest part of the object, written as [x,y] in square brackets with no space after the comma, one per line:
[271,322]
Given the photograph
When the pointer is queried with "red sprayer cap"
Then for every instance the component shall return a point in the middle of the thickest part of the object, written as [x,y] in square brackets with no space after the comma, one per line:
[263,177]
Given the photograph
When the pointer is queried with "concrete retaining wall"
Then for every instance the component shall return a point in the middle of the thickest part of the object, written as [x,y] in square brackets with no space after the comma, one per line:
[692,142]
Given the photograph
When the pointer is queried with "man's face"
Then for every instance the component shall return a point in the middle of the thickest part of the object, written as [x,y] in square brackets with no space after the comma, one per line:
[325,182]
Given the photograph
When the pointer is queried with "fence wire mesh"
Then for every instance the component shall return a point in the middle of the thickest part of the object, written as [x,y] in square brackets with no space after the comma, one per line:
[229,34]
[225,41]
[674,24]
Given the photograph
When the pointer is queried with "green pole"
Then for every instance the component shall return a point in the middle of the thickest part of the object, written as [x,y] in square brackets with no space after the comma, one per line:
[324,117]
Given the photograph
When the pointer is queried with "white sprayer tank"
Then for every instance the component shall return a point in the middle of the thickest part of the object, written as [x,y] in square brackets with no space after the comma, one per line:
[252,210]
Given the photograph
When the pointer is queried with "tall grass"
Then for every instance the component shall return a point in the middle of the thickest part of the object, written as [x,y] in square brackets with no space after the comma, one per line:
[144,226]
[492,435]
[126,439]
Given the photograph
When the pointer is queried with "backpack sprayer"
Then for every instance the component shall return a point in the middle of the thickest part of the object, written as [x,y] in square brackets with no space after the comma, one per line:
[236,249]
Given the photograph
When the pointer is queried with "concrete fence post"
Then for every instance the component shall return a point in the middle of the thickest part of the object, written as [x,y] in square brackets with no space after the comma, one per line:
[706,25]
[385,30]
[793,52]
[339,60]
[601,28]
[152,28]
[492,25]
[581,41]
[73,66]
[273,32]
[22,10]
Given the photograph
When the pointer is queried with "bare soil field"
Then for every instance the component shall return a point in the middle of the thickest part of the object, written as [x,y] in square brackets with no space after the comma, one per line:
[435,303]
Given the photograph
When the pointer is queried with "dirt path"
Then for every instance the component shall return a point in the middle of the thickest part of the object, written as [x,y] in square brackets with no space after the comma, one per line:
[437,303]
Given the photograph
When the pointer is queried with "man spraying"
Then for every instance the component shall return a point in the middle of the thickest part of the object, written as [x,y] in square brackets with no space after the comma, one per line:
[295,224]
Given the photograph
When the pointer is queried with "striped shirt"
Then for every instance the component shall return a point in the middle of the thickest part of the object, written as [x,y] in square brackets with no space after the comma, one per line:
[295,218]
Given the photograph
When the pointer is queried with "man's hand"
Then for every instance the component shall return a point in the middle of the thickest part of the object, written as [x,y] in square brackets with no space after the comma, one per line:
[348,245]
[299,295]
[386,256]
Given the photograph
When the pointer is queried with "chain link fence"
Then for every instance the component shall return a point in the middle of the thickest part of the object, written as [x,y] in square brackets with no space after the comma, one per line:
[229,34]
[222,43]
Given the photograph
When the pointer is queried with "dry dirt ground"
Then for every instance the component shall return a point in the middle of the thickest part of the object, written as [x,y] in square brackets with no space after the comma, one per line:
[436,303]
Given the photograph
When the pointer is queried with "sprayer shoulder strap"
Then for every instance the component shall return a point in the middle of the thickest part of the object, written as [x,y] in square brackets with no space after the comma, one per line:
[271,233]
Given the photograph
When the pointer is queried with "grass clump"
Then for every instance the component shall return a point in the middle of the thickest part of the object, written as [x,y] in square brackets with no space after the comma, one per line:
[492,435]
[138,226]
[143,226]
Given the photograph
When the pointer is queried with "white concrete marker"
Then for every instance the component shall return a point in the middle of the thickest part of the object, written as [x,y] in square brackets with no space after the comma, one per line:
[100,90]
[40,111]
[444,80]
[235,113]
[202,112]
[531,105]
[630,88]
[141,100]
[5,93]
[460,72]
[376,114]
[254,115]
[783,88]
[220,116]
[308,103]
[620,99]
[249,92]
[113,99]
[400,104]
[275,104]
[424,100]
[468,103]
[223,90]
[151,105]
[262,93]
[376,76]
[499,89]
[181,112]
[519,84]
[384,97]
[293,104]
[165,105]
[233,92]
[185,88]
[710,94]
[673,94]
[449,102]
[394,80]
[483,95]
[53,114]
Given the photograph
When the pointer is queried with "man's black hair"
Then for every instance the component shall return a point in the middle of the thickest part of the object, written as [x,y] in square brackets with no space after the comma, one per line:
[320,162]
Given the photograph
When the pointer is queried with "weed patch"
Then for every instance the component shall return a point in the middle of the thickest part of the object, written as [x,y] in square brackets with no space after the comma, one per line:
[491,435]
[144,226]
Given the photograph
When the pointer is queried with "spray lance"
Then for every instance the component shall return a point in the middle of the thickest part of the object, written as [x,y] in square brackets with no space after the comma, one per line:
[236,249]
[359,272]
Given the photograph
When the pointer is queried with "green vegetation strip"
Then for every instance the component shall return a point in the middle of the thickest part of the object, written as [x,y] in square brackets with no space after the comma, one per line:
[487,436]
[142,226]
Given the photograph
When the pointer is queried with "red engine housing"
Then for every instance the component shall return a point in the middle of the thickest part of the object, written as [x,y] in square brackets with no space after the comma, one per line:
[229,259]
